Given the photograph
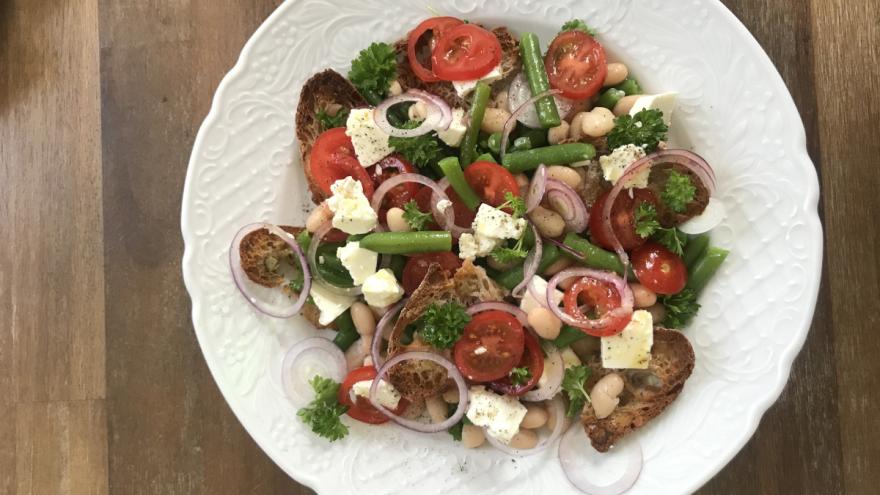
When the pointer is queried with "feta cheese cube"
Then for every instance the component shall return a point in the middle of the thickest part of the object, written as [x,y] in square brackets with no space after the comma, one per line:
[471,246]
[665,102]
[613,165]
[455,133]
[631,348]
[537,285]
[360,263]
[386,394]
[464,88]
[330,304]
[492,222]
[499,414]
[369,141]
[352,212]
[381,289]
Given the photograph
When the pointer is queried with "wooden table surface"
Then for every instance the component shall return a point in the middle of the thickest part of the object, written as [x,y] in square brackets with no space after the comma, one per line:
[103,386]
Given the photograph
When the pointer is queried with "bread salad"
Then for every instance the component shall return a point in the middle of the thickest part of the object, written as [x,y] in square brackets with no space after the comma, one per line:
[504,244]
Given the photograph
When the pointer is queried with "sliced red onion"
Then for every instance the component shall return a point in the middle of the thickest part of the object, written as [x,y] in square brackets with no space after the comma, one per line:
[271,301]
[540,298]
[554,370]
[687,159]
[519,92]
[443,218]
[568,203]
[380,334]
[452,372]
[527,105]
[710,218]
[313,263]
[555,408]
[537,188]
[439,114]
[307,358]
[500,306]
[530,265]
[456,229]
[626,297]
[389,162]
[595,473]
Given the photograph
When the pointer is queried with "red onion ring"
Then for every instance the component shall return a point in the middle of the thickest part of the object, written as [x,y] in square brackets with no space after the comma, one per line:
[379,334]
[687,159]
[450,212]
[271,301]
[536,188]
[500,306]
[439,114]
[568,203]
[626,297]
[453,373]
[530,265]
[510,124]
[580,460]
[307,358]
[444,218]
[554,367]
[313,263]
[554,407]
[519,91]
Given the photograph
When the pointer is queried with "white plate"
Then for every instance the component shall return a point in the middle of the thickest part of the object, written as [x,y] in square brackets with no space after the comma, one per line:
[735,111]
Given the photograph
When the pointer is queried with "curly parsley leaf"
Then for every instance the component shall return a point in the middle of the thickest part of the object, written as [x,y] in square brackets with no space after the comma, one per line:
[646,129]
[330,121]
[573,383]
[646,225]
[457,428]
[373,71]
[679,192]
[578,25]
[422,150]
[672,239]
[519,376]
[442,325]
[680,308]
[323,413]
[516,204]
[416,219]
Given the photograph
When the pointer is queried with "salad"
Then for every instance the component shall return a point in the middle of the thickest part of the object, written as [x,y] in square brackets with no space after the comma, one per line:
[504,245]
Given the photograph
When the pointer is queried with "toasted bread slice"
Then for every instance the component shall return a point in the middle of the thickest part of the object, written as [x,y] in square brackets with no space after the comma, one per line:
[322,90]
[647,392]
[667,217]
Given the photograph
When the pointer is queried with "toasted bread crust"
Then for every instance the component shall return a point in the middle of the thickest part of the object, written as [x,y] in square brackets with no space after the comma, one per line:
[672,361]
[667,217]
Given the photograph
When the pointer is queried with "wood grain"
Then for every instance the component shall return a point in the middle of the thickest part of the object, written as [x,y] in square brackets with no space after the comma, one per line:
[103,384]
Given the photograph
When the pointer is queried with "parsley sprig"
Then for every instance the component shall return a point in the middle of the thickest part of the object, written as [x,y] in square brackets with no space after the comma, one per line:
[646,128]
[679,192]
[578,25]
[373,71]
[441,325]
[506,254]
[647,225]
[421,151]
[573,383]
[516,204]
[680,308]
[416,219]
[520,376]
[323,413]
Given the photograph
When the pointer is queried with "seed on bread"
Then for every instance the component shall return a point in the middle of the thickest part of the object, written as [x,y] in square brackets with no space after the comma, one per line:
[262,253]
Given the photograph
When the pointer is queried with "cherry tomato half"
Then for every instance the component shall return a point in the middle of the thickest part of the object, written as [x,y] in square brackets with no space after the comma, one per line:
[464,217]
[575,64]
[332,158]
[465,52]
[622,219]
[362,410]
[437,26]
[533,360]
[490,181]
[491,345]
[659,269]
[417,267]
[591,299]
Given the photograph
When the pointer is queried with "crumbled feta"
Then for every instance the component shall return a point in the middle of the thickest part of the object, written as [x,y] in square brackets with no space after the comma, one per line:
[352,212]
[631,348]
[470,246]
[330,304]
[386,394]
[381,289]
[455,133]
[443,204]
[491,227]
[464,88]
[614,165]
[537,285]
[665,102]
[369,141]
[360,262]
[499,414]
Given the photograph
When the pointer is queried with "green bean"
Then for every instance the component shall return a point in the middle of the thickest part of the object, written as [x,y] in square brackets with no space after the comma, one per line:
[408,242]
[705,267]
[472,135]
[538,137]
[486,157]
[452,170]
[695,248]
[610,98]
[398,263]
[346,333]
[533,63]
[629,86]
[567,336]
[331,268]
[494,143]
[558,154]
[593,256]
[522,143]
[511,278]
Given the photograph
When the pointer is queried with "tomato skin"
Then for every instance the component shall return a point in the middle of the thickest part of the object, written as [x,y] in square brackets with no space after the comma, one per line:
[363,410]
[533,359]
[659,269]
[491,345]
[332,158]
[464,217]
[465,52]
[417,267]
[622,219]
[599,296]
[437,26]
[490,181]
[399,195]
[576,64]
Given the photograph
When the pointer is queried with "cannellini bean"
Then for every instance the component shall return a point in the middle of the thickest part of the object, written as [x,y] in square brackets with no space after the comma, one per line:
[643,297]
[617,73]
[332,109]
[566,175]
[363,318]
[575,130]
[494,119]
[536,417]
[658,313]
[395,88]
[625,105]
[598,122]
[559,133]
[318,217]
[522,180]
[368,361]
[436,408]
[396,222]
[545,323]
[524,440]
[418,111]
[472,436]
[557,266]
[604,394]
[501,101]
[548,222]
[451,395]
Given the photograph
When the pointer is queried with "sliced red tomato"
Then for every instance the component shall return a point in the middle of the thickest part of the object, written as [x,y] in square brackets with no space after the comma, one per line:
[465,52]
[532,360]
[399,195]
[659,269]
[417,267]
[333,158]
[592,299]
[622,219]
[362,410]
[491,345]
[491,182]
[435,27]
[575,64]
[464,217]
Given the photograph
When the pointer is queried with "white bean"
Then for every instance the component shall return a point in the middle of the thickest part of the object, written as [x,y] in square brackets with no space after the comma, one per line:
[451,395]
[575,130]
[558,134]
[535,417]
[494,119]
[625,104]
[524,440]
[333,109]
[418,111]
[363,318]
[598,122]
[472,436]
[396,222]
[501,101]
[548,222]
[545,323]
[604,394]
[643,297]
[436,408]
[318,217]
[522,180]
[658,313]
[395,88]
[617,73]
[566,175]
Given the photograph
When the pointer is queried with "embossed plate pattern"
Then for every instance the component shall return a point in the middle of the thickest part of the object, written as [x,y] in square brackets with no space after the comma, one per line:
[734,110]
